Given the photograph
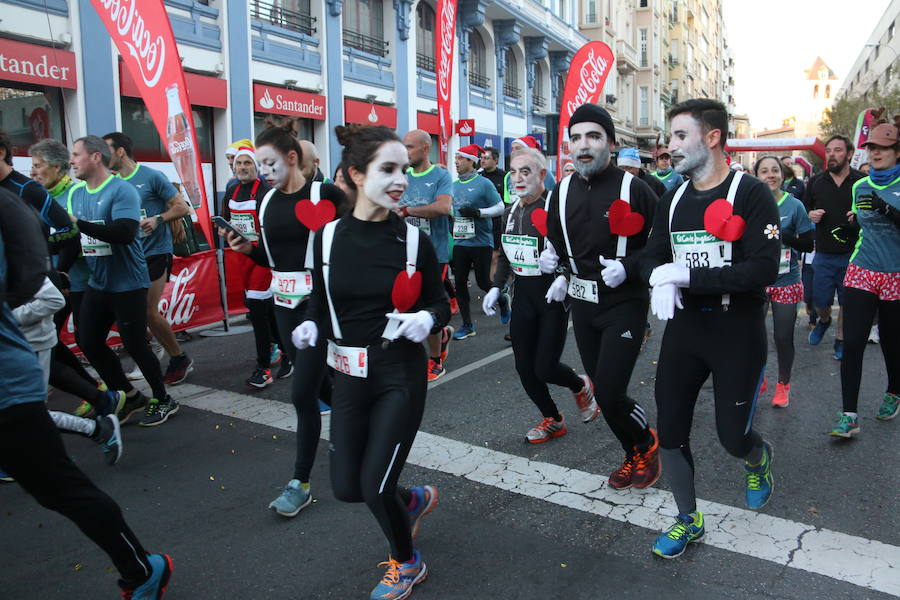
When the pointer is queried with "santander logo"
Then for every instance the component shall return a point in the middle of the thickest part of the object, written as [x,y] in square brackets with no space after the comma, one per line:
[465,129]
[179,308]
[592,73]
[373,116]
[148,50]
[266,100]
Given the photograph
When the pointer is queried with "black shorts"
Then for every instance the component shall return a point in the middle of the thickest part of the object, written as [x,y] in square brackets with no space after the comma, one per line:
[159,265]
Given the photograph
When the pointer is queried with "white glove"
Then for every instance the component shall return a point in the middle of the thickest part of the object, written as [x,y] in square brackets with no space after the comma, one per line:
[664,299]
[305,335]
[413,326]
[548,260]
[614,273]
[490,301]
[671,273]
[558,289]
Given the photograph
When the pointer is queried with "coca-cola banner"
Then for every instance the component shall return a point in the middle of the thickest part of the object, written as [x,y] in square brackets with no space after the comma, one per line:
[584,84]
[443,52]
[143,35]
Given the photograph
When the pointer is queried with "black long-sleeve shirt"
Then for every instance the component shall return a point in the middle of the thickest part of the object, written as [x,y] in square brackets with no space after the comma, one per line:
[587,219]
[520,224]
[822,192]
[366,257]
[755,256]
[23,251]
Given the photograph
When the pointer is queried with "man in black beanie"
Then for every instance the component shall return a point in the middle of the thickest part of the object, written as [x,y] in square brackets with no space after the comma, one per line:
[597,224]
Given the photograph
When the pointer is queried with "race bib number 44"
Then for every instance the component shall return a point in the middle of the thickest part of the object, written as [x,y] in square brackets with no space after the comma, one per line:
[463,228]
[522,252]
[348,360]
[695,249]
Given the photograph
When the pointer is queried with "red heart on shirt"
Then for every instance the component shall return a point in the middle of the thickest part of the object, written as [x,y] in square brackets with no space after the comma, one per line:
[622,221]
[314,216]
[539,220]
[407,289]
[719,219]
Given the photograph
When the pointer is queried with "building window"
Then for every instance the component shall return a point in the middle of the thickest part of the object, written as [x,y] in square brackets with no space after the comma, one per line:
[289,14]
[590,16]
[425,37]
[643,34]
[537,93]
[642,3]
[30,113]
[364,26]
[477,61]
[645,107]
[511,81]
[138,125]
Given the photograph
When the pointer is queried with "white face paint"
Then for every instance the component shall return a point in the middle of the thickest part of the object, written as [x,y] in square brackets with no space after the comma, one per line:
[526,178]
[386,175]
[272,166]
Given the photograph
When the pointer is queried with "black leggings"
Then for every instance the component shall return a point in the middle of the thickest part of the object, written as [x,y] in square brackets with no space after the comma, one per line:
[308,384]
[730,345]
[265,331]
[448,284]
[128,310]
[66,372]
[32,451]
[538,332]
[784,319]
[859,311]
[609,341]
[466,258]
[373,424]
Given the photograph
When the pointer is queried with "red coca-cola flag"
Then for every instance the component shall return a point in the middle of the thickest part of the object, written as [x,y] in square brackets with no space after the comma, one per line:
[584,84]
[143,35]
[446,33]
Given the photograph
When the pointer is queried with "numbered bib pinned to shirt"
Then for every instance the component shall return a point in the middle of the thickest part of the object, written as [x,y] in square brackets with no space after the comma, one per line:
[583,289]
[463,228]
[245,222]
[348,360]
[93,247]
[784,265]
[290,288]
[522,253]
[141,231]
[422,223]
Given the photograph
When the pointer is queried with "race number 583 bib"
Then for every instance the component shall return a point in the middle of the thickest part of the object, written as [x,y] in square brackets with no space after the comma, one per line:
[695,249]
[784,265]
[94,247]
[421,222]
[463,228]
[348,360]
[522,252]
[290,288]
[583,289]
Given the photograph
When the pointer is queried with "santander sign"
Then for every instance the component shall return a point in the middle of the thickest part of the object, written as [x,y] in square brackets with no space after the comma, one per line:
[146,47]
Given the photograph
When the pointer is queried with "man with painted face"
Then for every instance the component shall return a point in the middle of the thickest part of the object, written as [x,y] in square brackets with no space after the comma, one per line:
[722,228]
[426,204]
[598,221]
[664,171]
[475,201]
[538,329]
[629,160]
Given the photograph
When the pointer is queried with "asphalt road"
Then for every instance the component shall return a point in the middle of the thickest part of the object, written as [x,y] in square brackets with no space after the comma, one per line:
[197,488]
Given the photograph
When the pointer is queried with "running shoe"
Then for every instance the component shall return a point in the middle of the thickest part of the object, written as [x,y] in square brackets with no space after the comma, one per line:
[585,401]
[623,477]
[818,332]
[647,468]
[4,477]
[760,482]
[435,370]
[763,386]
[324,409]
[546,429]
[467,330]
[115,402]
[155,587]
[135,374]
[874,336]
[781,399]
[446,336]
[838,349]
[889,408]
[847,426]
[274,355]
[454,306]
[132,405]
[505,309]
[687,529]
[285,370]
[85,410]
[158,412]
[400,578]
[178,370]
[109,435]
[813,318]
[292,500]
[425,498]
[261,378]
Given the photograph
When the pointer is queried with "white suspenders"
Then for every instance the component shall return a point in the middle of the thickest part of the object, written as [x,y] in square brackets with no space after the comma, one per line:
[624,194]
[315,197]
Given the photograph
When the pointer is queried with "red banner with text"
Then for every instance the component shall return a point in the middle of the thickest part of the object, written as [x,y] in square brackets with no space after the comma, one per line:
[587,73]
[446,34]
[143,35]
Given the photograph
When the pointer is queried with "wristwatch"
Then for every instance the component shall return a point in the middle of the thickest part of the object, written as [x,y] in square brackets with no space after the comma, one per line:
[160,220]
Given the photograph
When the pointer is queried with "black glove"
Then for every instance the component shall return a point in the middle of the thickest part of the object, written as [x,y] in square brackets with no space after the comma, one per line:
[468,211]
[788,239]
[845,233]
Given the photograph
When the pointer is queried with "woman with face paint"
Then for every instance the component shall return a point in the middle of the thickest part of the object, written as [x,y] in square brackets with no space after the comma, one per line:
[289,215]
[537,328]
[378,290]
[797,235]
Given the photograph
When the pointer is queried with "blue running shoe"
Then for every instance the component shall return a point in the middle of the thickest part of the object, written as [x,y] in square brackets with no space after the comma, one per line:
[274,355]
[838,349]
[292,500]
[505,309]
[467,330]
[324,409]
[818,332]
[687,529]
[400,578]
[760,481]
[155,587]
[426,498]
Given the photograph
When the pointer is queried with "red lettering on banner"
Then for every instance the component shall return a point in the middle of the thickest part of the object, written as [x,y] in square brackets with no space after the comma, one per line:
[446,11]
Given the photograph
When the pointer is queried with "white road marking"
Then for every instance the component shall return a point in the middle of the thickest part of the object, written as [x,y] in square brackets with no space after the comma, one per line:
[856,560]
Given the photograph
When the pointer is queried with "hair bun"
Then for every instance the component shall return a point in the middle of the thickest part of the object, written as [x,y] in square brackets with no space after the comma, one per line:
[346,133]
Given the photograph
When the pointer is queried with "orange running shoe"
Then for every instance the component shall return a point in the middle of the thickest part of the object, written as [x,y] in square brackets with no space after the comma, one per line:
[782,395]
[646,465]
[435,370]
[546,429]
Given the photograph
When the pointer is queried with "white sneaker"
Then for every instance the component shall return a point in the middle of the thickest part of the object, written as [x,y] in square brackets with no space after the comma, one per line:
[874,338]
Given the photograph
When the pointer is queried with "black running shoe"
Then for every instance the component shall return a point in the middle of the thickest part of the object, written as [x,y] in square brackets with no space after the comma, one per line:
[134,404]
[158,412]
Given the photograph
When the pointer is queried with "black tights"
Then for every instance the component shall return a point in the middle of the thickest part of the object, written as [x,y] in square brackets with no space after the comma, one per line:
[66,372]
[784,318]
[859,311]
[466,259]
[265,331]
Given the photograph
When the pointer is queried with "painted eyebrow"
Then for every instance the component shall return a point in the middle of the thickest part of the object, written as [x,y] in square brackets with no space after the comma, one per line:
[679,132]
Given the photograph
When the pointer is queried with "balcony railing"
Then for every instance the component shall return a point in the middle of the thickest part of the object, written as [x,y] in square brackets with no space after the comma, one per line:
[276,14]
[590,18]
[425,62]
[365,43]
[538,101]
[479,80]
[511,91]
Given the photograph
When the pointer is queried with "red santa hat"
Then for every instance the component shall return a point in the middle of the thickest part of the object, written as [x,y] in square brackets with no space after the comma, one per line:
[528,142]
[245,151]
[472,152]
